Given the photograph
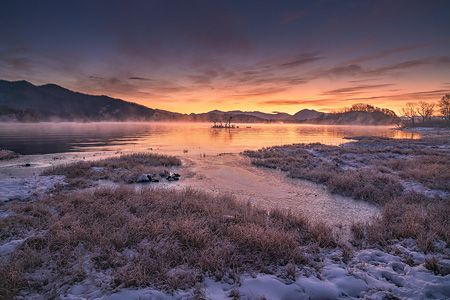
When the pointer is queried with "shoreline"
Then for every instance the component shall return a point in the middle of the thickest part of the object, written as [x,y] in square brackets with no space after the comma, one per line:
[426,131]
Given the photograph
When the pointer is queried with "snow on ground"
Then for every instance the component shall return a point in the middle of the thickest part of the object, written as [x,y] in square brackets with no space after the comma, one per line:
[9,247]
[371,274]
[25,187]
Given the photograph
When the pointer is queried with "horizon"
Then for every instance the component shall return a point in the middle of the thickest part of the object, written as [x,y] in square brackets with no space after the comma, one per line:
[256,56]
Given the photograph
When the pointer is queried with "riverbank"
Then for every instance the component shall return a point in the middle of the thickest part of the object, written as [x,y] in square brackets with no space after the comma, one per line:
[241,235]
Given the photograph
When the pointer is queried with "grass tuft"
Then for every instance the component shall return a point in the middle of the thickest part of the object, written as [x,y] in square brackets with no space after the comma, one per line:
[7,154]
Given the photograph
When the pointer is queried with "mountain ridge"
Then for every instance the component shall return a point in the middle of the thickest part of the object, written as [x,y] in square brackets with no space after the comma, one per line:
[21,101]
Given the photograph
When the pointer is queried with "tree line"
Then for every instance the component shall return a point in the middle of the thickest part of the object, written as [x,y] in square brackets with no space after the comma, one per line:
[425,112]
[366,108]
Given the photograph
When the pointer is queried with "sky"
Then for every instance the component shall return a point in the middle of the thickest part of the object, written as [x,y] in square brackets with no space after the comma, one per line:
[197,56]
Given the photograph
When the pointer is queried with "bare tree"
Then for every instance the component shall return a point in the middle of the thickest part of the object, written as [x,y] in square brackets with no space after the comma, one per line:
[409,112]
[425,110]
[444,106]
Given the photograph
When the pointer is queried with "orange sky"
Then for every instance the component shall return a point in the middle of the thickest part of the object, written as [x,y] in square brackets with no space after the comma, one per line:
[195,56]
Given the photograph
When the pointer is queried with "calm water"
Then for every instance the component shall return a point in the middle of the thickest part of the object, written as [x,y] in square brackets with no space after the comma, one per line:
[173,138]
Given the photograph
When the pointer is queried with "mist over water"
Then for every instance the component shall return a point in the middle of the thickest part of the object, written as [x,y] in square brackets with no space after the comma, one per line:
[173,138]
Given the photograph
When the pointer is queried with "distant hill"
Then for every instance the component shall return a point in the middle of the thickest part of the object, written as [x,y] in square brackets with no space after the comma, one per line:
[356,118]
[23,101]
[306,114]
[258,114]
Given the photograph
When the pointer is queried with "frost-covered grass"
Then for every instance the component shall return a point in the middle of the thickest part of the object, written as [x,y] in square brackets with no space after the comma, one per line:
[160,238]
[123,236]
[410,179]
[125,242]
[7,154]
[122,169]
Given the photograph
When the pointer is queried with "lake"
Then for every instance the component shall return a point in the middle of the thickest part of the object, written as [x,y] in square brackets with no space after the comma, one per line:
[173,138]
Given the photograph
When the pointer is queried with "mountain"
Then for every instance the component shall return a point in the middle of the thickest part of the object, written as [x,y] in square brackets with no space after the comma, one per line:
[306,114]
[23,101]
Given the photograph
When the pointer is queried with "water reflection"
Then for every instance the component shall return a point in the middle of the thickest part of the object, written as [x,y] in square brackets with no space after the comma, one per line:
[172,138]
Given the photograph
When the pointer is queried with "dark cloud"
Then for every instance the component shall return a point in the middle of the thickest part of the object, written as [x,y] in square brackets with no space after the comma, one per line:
[398,67]
[357,70]
[205,77]
[260,92]
[301,59]
[356,89]
[444,60]
[349,70]
[309,102]
[396,50]
[139,78]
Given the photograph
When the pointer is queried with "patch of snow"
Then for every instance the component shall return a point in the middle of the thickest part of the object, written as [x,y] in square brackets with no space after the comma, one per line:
[371,274]
[420,188]
[97,169]
[25,187]
[5,214]
[9,248]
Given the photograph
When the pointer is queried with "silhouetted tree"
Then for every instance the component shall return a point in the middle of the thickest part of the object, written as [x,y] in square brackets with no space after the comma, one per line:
[444,106]
[425,110]
[409,112]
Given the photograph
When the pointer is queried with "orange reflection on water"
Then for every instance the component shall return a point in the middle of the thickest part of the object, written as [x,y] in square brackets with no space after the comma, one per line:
[173,138]
[199,138]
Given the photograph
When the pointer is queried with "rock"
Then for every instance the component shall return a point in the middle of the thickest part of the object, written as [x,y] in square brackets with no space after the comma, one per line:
[176,175]
[27,165]
[164,173]
[170,178]
[155,180]
[143,178]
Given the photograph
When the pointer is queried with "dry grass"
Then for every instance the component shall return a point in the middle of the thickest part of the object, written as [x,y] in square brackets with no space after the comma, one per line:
[382,171]
[7,154]
[153,237]
[122,169]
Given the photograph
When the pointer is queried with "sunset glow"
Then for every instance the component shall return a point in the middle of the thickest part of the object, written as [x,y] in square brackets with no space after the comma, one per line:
[197,56]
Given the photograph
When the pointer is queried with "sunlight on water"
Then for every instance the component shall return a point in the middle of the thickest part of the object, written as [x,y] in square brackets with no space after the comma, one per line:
[173,138]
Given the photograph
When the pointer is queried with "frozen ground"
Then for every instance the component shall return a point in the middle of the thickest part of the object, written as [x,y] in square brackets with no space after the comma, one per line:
[371,274]
[27,187]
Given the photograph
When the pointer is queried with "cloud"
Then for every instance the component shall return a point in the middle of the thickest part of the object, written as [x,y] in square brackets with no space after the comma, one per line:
[311,102]
[349,70]
[139,78]
[355,89]
[354,70]
[395,50]
[398,67]
[260,92]
[205,76]
[301,59]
